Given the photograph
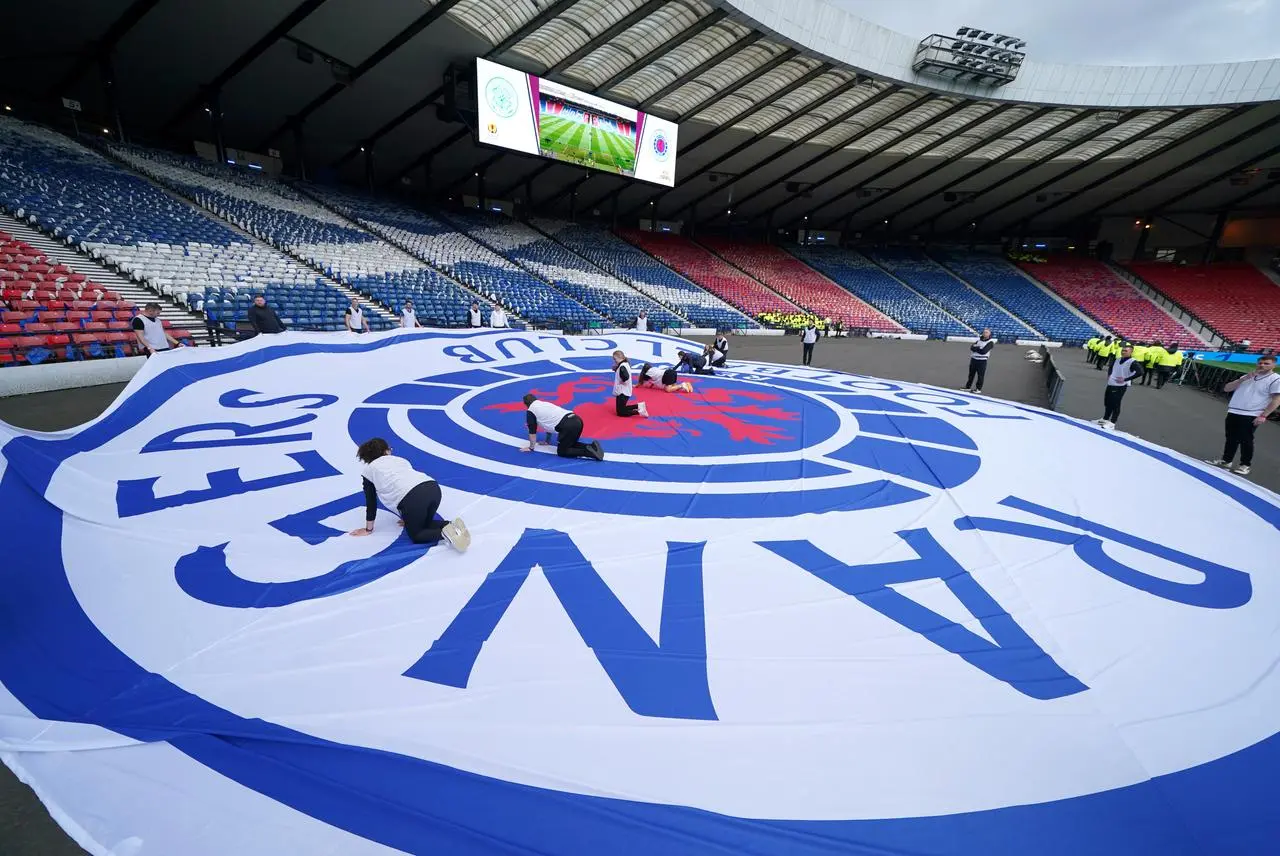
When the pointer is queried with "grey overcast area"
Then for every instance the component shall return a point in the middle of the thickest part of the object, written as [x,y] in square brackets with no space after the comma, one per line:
[1099,32]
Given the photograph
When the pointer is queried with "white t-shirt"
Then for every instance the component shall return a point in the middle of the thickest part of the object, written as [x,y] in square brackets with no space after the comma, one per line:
[475,317]
[408,318]
[548,415]
[497,318]
[622,383]
[1254,394]
[655,374]
[642,324]
[810,335]
[393,478]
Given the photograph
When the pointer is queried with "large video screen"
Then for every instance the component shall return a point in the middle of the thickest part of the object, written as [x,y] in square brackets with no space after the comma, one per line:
[525,113]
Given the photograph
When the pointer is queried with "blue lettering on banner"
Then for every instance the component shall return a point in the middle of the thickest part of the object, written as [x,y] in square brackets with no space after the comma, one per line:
[236,398]
[241,435]
[1015,658]
[1221,588]
[501,345]
[667,679]
[467,353]
[137,496]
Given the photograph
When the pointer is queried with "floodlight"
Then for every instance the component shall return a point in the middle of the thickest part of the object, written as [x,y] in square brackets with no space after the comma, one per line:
[1020,45]
[963,31]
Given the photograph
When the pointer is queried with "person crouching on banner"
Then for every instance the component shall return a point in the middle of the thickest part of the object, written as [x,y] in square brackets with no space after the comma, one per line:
[696,363]
[407,492]
[623,387]
[668,379]
[564,424]
[721,345]
[714,356]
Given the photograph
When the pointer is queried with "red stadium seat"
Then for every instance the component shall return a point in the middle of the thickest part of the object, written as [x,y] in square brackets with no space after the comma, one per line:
[1236,299]
[37,329]
[97,315]
[10,329]
[67,327]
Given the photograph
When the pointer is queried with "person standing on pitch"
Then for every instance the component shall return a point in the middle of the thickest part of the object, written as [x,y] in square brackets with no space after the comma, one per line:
[1254,397]
[642,322]
[668,379]
[623,387]
[1152,359]
[1170,359]
[408,319]
[564,424]
[497,316]
[1122,373]
[1091,349]
[721,345]
[809,337]
[407,492]
[473,315]
[979,353]
[1104,350]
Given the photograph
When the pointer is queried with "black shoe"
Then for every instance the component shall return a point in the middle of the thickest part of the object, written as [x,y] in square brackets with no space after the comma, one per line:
[596,450]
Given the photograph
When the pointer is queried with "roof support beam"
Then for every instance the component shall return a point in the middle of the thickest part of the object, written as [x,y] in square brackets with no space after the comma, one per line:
[300,13]
[1243,136]
[423,21]
[1089,137]
[960,155]
[795,144]
[431,97]
[1062,200]
[117,31]
[1082,116]
[1083,164]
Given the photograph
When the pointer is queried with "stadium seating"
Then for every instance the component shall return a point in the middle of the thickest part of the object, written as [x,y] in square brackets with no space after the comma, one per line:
[569,272]
[711,272]
[802,285]
[1000,281]
[646,274]
[937,284]
[1116,304]
[480,269]
[1235,299]
[869,282]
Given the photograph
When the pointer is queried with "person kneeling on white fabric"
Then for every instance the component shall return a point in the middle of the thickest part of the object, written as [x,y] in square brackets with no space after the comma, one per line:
[564,424]
[668,379]
[407,492]
[498,317]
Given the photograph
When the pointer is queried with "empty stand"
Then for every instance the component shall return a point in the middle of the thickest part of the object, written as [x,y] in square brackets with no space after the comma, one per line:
[1116,304]
[711,272]
[571,273]
[646,274]
[1235,299]
[872,284]
[1005,285]
[942,287]
[802,285]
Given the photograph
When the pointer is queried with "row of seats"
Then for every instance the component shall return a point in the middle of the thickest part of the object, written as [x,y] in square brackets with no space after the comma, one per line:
[572,274]
[1236,299]
[937,284]
[853,271]
[645,274]
[802,285]
[710,271]
[1116,304]
[445,248]
[1002,283]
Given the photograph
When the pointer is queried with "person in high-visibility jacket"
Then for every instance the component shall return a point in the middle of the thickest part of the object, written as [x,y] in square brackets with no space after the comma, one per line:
[1091,349]
[1169,362]
[1113,352]
[1140,357]
[1154,353]
[1104,351]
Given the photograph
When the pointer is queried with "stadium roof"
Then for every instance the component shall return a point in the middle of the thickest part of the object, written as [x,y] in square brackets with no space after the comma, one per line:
[787,110]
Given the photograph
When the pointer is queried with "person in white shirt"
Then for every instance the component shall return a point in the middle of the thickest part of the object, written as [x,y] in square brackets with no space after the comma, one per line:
[979,352]
[564,424]
[1123,371]
[623,387]
[150,332]
[408,318]
[1254,397]
[473,317]
[668,379]
[354,318]
[406,492]
[721,345]
[497,317]
[809,336]
[642,322]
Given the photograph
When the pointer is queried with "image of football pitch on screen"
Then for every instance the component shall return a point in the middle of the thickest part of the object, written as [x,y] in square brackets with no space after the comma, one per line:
[586,136]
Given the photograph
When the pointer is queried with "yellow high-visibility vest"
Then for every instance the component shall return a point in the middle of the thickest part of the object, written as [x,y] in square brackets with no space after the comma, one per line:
[1140,352]
[1171,360]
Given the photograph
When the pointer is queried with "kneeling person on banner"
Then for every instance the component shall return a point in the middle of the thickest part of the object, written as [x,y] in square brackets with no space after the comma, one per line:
[412,495]
[565,424]
[623,387]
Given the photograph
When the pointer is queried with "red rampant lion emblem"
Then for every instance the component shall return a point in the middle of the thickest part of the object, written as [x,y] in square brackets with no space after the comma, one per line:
[670,414]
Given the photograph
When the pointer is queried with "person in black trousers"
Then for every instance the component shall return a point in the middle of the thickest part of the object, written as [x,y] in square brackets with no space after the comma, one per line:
[1126,368]
[623,388]
[809,337]
[564,424]
[979,353]
[722,345]
[407,492]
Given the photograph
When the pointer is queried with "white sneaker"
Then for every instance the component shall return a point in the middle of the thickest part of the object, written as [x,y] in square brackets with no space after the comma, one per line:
[1100,422]
[644,409]
[977,392]
[1217,462]
[1241,470]
[457,535]
[1108,426]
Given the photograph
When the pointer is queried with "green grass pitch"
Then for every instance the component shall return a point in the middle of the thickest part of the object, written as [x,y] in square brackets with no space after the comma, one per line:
[565,139]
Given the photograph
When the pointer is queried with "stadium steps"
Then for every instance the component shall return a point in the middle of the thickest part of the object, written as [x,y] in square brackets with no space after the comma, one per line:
[1207,333]
[461,228]
[1048,291]
[817,273]
[1261,259]
[920,294]
[109,278]
[674,310]
[404,248]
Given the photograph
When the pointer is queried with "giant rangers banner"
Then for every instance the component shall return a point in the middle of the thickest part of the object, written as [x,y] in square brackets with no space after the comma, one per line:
[791,612]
